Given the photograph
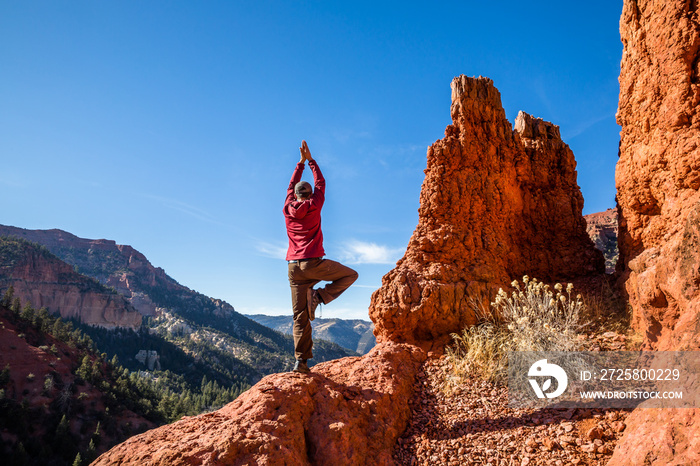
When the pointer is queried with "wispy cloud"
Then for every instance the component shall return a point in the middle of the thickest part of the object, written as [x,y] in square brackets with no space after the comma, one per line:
[352,252]
[277,250]
[345,135]
[361,252]
[183,207]
[585,125]
[11,183]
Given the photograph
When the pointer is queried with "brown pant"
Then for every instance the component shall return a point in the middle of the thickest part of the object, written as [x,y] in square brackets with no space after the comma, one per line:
[304,275]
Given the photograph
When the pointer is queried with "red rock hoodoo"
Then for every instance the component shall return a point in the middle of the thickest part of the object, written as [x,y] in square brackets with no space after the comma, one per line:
[496,204]
[658,173]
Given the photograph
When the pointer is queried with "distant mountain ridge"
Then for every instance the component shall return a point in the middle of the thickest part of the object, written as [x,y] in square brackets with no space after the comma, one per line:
[119,266]
[240,351]
[353,334]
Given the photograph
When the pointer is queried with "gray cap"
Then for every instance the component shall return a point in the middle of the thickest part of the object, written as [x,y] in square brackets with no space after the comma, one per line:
[303,189]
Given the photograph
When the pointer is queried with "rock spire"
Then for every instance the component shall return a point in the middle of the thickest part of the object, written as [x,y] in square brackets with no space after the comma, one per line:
[496,204]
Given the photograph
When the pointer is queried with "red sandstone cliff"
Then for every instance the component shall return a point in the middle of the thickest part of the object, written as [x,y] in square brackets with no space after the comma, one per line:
[658,173]
[43,280]
[99,259]
[496,204]
[657,177]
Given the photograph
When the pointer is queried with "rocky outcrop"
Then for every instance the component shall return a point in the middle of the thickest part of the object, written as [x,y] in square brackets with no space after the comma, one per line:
[602,229]
[40,278]
[496,204]
[348,411]
[658,173]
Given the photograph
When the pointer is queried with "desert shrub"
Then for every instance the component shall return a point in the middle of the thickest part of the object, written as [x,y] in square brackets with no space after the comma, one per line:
[49,383]
[540,320]
[533,317]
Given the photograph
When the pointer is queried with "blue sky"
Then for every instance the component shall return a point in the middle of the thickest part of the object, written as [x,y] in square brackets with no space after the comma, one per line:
[174,126]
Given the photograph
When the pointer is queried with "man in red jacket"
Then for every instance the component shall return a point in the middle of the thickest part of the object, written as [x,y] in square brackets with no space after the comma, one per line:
[307,267]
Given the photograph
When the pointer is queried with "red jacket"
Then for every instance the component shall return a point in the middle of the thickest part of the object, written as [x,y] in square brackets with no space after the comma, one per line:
[303,218]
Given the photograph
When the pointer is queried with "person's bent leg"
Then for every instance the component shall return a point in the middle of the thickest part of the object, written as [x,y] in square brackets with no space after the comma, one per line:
[340,276]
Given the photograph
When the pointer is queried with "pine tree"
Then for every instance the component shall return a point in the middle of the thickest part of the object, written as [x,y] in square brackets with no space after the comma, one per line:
[91,453]
[63,427]
[7,297]
[85,369]
[5,376]
[27,312]
[97,435]
[21,456]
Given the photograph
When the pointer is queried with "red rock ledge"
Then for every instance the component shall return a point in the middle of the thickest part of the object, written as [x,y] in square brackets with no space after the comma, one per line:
[347,411]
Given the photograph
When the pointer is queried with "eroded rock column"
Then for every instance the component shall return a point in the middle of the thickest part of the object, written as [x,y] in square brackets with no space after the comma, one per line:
[496,204]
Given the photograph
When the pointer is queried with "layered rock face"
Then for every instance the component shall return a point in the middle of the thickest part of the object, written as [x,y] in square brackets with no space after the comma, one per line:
[99,258]
[496,204]
[43,280]
[346,412]
[658,173]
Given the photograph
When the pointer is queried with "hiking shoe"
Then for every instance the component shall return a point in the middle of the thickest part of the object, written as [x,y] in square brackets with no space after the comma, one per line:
[301,366]
[313,299]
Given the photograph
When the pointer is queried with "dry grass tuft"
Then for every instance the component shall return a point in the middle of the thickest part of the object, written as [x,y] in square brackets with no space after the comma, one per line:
[534,317]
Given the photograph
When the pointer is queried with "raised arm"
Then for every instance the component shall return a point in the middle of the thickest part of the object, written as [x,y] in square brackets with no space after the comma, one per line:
[319,181]
[296,177]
